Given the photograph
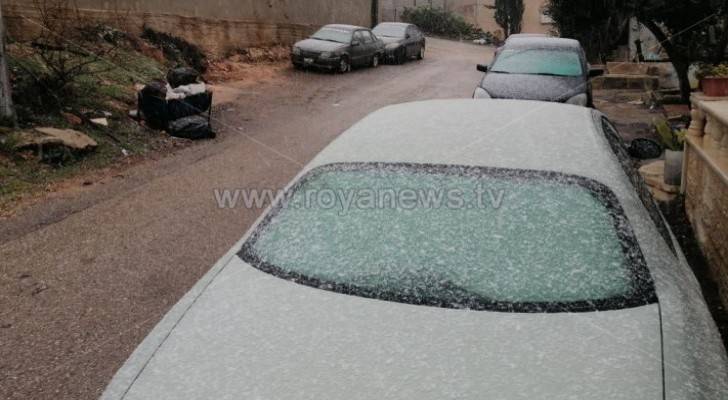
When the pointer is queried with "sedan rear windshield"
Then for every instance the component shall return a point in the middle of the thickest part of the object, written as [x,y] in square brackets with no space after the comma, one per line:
[539,62]
[333,35]
[455,237]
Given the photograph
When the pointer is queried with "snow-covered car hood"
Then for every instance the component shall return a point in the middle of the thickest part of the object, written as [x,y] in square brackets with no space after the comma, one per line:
[533,87]
[251,335]
[316,45]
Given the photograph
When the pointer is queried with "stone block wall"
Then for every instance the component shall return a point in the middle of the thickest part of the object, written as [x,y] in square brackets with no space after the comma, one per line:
[217,26]
[707,207]
[705,183]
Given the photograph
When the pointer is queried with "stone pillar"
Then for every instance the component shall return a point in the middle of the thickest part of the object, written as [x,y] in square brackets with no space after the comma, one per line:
[697,121]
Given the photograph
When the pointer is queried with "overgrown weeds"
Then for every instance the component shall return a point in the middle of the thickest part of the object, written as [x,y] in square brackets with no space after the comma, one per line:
[177,50]
[437,21]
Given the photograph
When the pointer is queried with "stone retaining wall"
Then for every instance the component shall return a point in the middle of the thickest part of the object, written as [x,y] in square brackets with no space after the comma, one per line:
[705,184]
[217,26]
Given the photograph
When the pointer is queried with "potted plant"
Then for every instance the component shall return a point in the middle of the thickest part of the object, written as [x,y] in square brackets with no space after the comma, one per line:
[714,79]
[673,141]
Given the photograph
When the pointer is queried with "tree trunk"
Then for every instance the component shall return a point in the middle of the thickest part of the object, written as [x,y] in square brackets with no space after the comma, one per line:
[719,53]
[679,62]
[683,74]
[375,13]
[7,113]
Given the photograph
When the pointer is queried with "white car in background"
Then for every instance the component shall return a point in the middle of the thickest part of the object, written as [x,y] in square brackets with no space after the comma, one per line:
[569,286]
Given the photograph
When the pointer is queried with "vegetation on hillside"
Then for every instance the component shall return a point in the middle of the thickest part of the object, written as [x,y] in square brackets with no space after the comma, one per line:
[69,75]
[436,21]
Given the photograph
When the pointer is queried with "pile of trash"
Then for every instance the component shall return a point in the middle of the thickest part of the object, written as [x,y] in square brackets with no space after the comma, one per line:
[182,105]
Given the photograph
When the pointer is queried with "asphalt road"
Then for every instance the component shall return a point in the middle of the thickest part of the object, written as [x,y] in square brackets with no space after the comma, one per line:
[86,275]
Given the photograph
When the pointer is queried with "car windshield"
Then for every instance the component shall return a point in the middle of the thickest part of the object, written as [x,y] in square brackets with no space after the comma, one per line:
[538,62]
[333,35]
[455,237]
[387,30]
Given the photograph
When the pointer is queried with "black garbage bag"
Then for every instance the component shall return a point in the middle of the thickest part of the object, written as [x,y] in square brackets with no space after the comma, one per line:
[194,127]
[191,105]
[644,149]
[153,104]
[155,88]
[182,76]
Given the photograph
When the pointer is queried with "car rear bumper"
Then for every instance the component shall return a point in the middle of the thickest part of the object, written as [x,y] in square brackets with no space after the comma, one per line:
[391,54]
[315,62]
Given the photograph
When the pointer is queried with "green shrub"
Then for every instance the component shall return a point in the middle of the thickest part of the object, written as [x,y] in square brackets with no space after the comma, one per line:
[671,139]
[437,21]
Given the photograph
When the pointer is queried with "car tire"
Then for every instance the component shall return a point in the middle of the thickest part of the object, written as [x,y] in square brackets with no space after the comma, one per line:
[344,65]
[375,61]
[421,54]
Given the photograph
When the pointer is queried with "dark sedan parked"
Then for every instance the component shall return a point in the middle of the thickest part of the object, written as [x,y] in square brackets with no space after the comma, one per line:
[539,68]
[402,41]
[338,48]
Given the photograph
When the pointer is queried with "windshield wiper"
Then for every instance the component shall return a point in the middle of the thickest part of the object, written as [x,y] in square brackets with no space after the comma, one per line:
[549,74]
[430,288]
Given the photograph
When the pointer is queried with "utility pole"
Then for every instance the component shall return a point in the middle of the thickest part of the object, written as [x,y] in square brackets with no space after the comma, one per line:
[7,114]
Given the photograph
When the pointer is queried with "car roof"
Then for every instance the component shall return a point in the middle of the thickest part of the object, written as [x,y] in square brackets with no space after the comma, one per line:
[543,42]
[345,27]
[395,24]
[526,35]
[465,132]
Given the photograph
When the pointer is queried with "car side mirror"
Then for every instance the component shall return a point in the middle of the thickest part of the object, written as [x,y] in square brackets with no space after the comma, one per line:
[355,43]
[482,68]
[644,149]
[594,72]
[407,36]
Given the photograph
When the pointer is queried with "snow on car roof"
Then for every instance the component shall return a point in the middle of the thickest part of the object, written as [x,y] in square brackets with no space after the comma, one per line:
[395,23]
[493,133]
[543,42]
[344,27]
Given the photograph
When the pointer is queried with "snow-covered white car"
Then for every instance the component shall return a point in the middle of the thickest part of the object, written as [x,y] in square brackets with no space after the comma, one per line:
[546,272]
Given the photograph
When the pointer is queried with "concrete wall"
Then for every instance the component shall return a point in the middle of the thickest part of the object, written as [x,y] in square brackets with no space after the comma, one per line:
[477,12]
[215,25]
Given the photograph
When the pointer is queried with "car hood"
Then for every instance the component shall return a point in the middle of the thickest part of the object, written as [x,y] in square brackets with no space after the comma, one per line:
[250,335]
[533,87]
[319,45]
[390,40]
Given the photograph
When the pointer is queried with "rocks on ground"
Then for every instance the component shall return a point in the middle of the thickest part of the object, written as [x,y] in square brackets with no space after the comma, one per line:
[51,137]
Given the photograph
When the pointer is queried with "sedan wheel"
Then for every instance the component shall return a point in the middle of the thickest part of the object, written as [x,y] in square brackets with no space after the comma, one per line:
[344,66]
[421,55]
[375,60]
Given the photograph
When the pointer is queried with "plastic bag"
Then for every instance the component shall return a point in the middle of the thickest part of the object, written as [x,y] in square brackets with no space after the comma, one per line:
[152,104]
[189,106]
[194,127]
[182,76]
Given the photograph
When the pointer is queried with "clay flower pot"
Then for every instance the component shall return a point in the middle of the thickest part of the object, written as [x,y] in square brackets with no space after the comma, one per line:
[715,86]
